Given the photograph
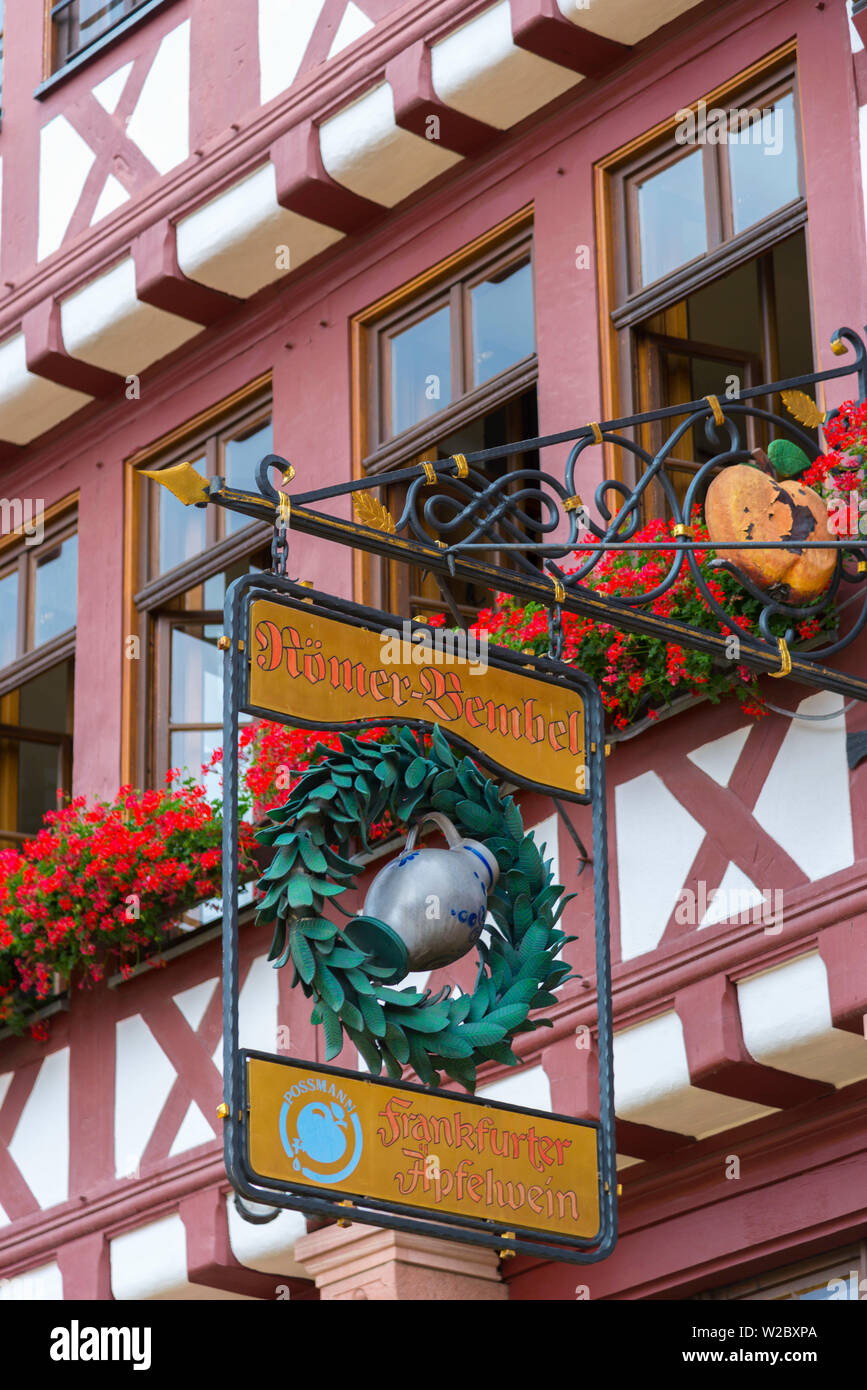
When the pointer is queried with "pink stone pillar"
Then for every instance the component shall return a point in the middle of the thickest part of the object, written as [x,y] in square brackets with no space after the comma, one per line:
[359,1262]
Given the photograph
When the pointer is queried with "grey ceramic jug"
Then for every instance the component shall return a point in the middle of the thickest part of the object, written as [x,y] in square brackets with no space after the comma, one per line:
[434,901]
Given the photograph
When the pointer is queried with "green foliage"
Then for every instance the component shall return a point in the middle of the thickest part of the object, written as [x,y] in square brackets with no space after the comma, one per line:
[392,1027]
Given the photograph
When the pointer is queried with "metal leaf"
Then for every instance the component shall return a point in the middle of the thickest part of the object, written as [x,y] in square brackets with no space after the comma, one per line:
[803,408]
[371,512]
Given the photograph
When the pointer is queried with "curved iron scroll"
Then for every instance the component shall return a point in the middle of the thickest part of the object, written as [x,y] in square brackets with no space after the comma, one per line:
[456,511]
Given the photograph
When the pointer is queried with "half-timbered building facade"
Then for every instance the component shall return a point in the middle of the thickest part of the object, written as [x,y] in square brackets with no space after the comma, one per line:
[364,233]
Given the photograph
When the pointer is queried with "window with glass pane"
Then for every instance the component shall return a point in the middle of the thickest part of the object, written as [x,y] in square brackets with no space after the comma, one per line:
[55,590]
[763,163]
[420,370]
[8,617]
[196,694]
[452,341]
[78,23]
[413,591]
[672,226]
[241,456]
[181,529]
[186,675]
[501,310]
[35,751]
[740,167]
[179,534]
[38,591]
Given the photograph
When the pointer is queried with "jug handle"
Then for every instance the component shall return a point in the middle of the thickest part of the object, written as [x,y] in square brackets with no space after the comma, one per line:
[445,825]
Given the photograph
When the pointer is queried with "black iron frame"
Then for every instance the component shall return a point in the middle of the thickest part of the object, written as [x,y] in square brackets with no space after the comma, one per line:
[499,519]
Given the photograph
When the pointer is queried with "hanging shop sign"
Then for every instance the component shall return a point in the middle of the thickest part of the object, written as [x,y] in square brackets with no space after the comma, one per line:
[340,1134]
[328,672]
[311,1137]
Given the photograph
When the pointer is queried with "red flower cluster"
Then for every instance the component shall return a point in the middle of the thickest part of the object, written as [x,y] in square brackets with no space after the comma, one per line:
[100,884]
[639,675]
[274,757]
[843,469]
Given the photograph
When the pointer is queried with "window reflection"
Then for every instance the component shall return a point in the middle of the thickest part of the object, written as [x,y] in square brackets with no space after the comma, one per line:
[671,217]
[56,585]
[421,372]
[502,321]
[8,617]
[181,529]
[239,466]
[763,159]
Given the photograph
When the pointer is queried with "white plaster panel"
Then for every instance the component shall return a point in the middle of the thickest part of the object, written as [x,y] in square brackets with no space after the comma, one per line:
[5,1083]
[353,25]
[527,1087]
[29,404]
[547,834]
[363,149]
[143,1078]
[109,91]
[40,1144]
[193,1002]
[736,894]
[657,841]
[64,163]
[480,71]
[652,1084]
[160,122]
[231,243]
[285,29]
[269,1248]
[151,1263]
[804,804]
[786,1020]
[719,757]
[194,1130]
[627,21]
[42,1285]
[105,324]
[113,196]
[854,36]
[257,1010]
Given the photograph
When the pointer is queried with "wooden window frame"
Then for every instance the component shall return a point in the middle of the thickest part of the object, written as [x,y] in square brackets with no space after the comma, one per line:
[60,522]
[510,241]
[53,72]
[622,311]
[148,595]
[726,249]
[451,287]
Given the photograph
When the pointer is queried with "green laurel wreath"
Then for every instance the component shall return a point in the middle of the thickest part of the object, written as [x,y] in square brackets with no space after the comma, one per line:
[518,970]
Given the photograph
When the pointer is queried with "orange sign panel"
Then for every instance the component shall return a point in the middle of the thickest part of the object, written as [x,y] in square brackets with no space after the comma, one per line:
[344,1133]
[320,670]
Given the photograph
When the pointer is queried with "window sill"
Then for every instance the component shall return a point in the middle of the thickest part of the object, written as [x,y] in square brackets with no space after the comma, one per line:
[111,36]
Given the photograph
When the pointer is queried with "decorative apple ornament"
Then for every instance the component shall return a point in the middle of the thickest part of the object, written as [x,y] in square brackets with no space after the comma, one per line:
[749,504]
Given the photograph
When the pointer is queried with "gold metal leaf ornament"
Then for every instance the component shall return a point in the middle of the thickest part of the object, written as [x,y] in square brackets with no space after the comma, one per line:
[182,480]
[372,513]
[803,408]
